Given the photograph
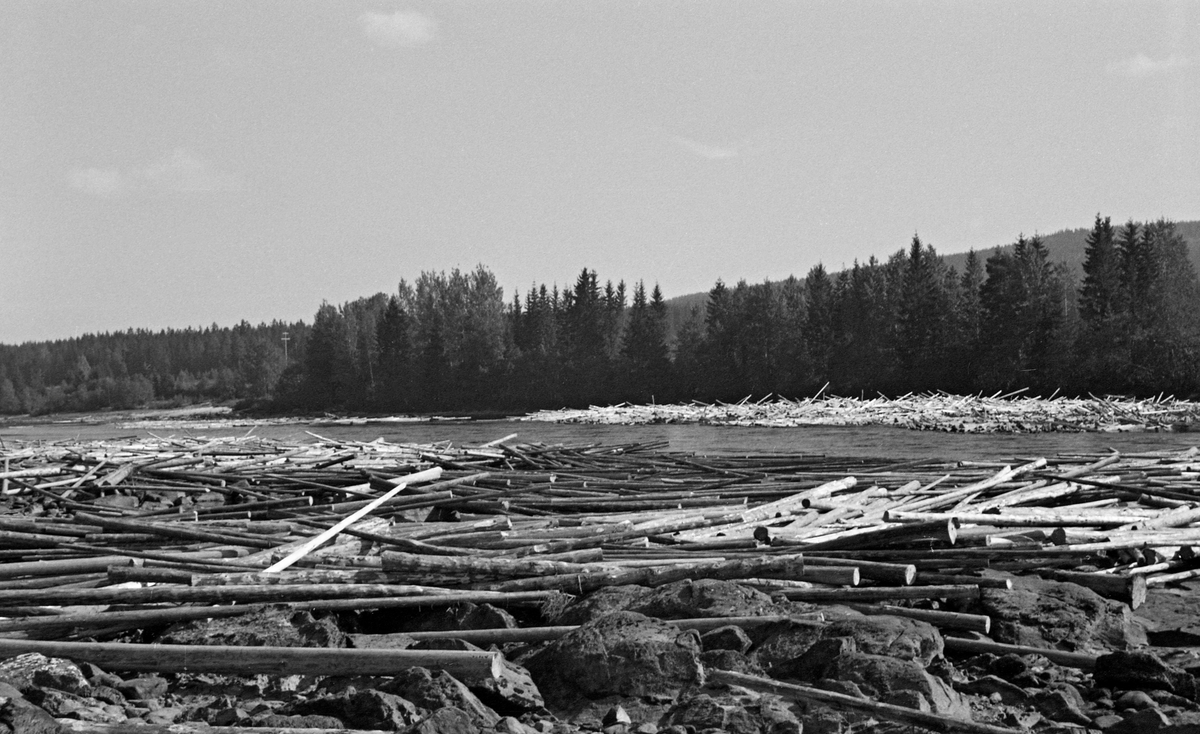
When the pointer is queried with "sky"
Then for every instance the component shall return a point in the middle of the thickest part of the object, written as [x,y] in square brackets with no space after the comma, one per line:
[182,163]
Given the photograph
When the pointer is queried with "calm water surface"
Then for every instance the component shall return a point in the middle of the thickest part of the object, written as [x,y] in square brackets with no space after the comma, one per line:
[872,441]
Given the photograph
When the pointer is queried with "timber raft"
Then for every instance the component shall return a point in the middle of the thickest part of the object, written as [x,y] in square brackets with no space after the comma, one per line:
[999,413]
[100,539]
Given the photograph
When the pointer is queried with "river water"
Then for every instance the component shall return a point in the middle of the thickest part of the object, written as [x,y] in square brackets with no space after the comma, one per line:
[869,441]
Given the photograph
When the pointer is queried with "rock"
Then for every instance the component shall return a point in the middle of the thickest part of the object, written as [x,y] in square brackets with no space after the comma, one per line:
[616,715]
[789,650]
[885,678]
[729,637]
[726,713]
[445,721]
[600,603]
[143,687]
[1142,670]
[433,690]
[1058,615]
[63,705]
[899,637]
[99,677]
[707,712]
[295,721]
[513,692]
[992,685]
[374,709]
[367,708]
[464,616]
[1145,721]
[62,675]
[57,673]
[22,717]
[1059,705]
[272,627]
[163,716]
[730,660]
[704,598]
[1136,700]
[1106,721]
[623,654]
[512,725]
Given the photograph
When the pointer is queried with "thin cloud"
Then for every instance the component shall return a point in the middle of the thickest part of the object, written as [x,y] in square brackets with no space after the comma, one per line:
[180,171]
[105,183]
[401,29]
[1141,65]
[711,152]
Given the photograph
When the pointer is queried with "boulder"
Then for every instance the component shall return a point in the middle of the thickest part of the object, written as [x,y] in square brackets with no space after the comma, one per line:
[271,627]
[729,637]
[18,716]
[433,690]
[704,598]
[1142,670]
[785,651]
[511,693]
[445,721]
[33,670]
[1058,615]
[464,616]
[599,603]
[758,715]
[621,654]
[900,682]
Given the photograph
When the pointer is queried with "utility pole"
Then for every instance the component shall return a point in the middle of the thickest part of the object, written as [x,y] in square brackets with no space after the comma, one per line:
[285,339]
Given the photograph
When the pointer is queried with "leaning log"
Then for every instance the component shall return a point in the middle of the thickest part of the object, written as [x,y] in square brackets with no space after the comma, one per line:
[885,711]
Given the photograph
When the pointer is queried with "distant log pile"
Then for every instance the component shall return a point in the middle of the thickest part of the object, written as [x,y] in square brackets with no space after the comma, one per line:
[928,412]
[105,537]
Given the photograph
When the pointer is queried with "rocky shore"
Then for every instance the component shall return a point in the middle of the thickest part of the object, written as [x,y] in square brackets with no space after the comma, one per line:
[628,666]
[190,585]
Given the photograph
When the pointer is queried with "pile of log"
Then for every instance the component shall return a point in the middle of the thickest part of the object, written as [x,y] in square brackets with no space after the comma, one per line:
[98,539]
[1008,413]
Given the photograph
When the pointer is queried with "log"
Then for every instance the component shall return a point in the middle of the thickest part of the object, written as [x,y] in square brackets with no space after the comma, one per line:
[942,620]
[400,485]
[280,661]
[893,574]
[169,615]
[206,594]
[885,711]
[1129,589]
[501,636]
[882,593]
[75,726]
[1078,660]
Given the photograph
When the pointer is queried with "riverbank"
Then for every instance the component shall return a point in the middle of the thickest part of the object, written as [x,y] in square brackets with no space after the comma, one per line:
[523,587]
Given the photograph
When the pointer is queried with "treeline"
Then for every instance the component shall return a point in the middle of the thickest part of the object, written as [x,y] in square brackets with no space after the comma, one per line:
[135,369]
[452,342]
[1015,320]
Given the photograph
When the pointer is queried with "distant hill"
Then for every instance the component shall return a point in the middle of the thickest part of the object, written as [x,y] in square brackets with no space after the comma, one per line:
[1066,246]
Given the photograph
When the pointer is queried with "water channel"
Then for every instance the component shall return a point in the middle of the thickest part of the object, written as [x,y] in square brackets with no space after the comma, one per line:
[869,441]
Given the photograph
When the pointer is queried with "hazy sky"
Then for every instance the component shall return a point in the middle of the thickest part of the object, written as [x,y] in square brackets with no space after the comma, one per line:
[179,163]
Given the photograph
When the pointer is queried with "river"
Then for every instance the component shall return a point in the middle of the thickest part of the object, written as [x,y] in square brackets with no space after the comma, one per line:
[869,441]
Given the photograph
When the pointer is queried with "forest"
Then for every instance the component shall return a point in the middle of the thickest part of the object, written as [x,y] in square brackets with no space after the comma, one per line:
[452,342]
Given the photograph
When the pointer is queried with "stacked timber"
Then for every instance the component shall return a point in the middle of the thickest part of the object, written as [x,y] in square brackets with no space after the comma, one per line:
[101,539]
[1008,413]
